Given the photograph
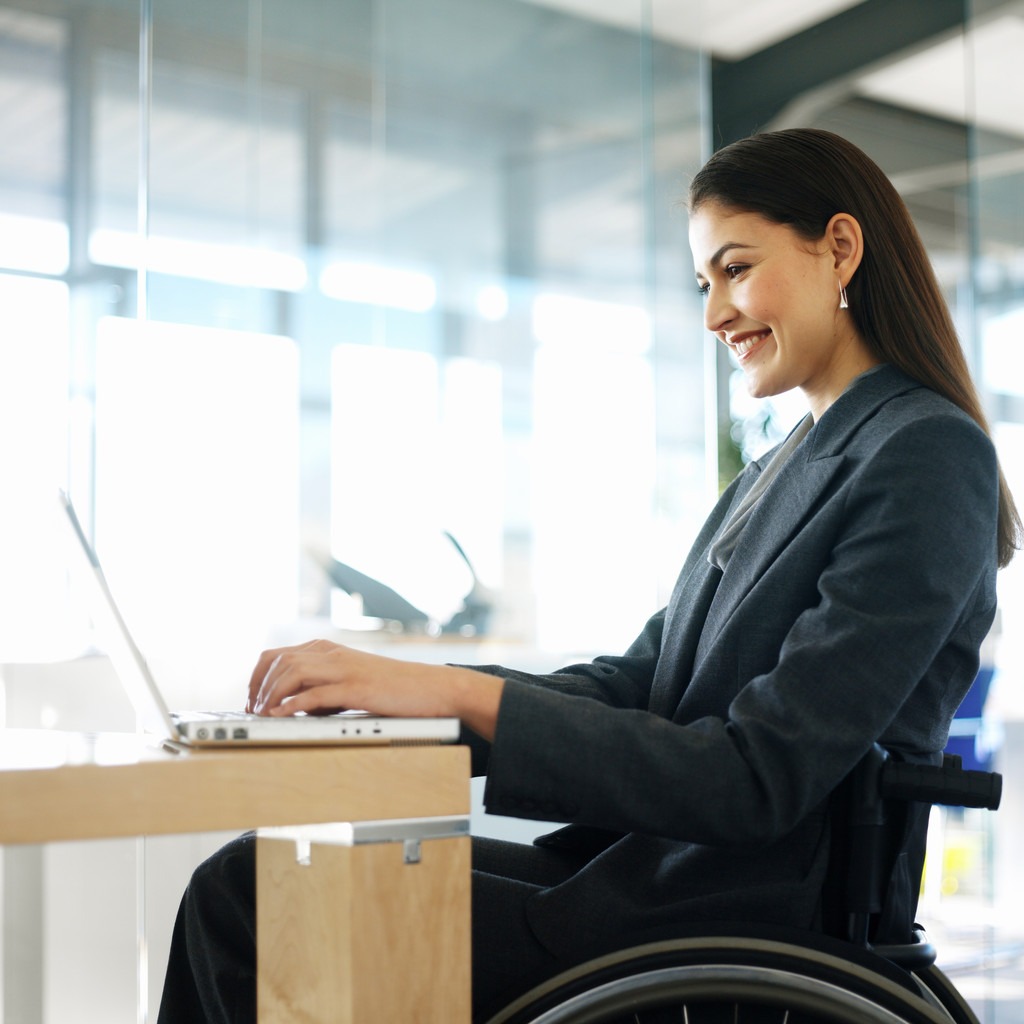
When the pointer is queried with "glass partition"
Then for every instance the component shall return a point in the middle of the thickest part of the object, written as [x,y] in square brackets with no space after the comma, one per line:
[376,283]
[482,184]
[484,191]
[997,185]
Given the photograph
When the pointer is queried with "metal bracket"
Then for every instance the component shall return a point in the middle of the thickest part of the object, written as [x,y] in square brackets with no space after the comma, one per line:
[410,832]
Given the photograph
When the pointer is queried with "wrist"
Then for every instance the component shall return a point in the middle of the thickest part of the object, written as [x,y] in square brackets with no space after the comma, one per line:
[475,698]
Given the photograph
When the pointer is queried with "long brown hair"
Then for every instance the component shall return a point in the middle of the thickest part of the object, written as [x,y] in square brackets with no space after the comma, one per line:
[802,177]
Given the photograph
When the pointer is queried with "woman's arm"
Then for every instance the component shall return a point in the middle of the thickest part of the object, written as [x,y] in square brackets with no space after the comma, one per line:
[320,677]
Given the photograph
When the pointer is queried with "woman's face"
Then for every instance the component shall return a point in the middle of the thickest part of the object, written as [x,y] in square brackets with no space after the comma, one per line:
[773,298]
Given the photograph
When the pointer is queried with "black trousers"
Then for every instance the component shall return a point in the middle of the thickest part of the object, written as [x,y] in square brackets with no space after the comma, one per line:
[211,972]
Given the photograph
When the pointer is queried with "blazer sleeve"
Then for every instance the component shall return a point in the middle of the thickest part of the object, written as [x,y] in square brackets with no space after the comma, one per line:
[616,681]
[902,590]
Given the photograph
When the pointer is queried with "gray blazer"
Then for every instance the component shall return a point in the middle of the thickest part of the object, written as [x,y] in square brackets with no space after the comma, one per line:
[696,767]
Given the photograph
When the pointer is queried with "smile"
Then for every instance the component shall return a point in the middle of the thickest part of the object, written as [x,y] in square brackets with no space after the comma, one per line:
[741,348]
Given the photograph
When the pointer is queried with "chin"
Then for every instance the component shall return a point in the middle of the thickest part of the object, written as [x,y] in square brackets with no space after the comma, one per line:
[757,389]
[760,387]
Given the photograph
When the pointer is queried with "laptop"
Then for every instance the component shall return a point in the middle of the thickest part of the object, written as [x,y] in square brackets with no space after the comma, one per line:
[223,728]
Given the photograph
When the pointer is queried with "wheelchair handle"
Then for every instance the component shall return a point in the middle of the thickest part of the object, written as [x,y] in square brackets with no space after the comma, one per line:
[948,783]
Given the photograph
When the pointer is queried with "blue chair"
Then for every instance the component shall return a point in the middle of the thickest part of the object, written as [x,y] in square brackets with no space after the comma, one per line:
[967,723]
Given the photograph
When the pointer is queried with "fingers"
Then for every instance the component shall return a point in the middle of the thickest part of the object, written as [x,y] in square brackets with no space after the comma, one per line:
[289,673]
[283,671]
[262,671]
[316,700]
[322,676]
[265,665]
[259,674]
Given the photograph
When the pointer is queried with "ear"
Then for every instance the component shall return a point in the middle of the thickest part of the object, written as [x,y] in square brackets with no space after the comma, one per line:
[845,241]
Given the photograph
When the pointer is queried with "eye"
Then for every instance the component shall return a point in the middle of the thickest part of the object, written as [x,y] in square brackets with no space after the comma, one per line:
[704,287]
[735,269]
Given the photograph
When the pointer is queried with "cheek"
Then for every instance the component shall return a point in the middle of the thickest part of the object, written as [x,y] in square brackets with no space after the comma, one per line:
[770,303]
[791,305]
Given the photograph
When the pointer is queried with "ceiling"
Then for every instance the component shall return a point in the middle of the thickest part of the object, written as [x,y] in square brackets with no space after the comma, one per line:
[910,111]
[932,79]
[732,31]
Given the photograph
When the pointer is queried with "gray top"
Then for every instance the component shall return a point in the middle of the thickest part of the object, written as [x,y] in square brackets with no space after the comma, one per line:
[721,551]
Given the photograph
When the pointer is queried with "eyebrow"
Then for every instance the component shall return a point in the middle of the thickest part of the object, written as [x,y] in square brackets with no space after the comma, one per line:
[721,251]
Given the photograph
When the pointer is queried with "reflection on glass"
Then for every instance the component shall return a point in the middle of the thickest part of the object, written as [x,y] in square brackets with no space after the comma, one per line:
[197,491]
[592,498]
[379,286]
[587,325]
[228,264]
[32,244]
[33,464]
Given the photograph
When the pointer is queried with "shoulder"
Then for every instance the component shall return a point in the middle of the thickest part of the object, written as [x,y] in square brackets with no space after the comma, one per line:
[889,411]
[918,401]
[895,445]
[924,424]
[920,456]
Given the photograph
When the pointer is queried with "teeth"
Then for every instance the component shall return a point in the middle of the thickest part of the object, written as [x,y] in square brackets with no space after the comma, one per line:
[747,344]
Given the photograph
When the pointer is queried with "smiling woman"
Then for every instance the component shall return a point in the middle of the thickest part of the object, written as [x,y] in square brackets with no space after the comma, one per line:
[836,597]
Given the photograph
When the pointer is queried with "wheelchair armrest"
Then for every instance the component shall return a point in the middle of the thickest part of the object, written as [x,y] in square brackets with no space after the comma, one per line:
[911,956]
[948,784]
[874,834]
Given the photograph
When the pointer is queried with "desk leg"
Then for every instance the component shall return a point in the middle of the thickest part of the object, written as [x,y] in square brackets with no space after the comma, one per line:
[358,936]
[22,886]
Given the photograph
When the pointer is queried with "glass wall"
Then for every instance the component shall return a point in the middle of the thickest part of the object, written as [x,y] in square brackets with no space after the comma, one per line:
[295,289]
[997,186]
[382,286]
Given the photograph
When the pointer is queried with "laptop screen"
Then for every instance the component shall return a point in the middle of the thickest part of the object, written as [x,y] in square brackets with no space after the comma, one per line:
[112,632]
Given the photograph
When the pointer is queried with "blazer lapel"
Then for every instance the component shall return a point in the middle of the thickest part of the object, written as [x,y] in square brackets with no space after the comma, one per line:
[795,492]
[684,625]
[779,512]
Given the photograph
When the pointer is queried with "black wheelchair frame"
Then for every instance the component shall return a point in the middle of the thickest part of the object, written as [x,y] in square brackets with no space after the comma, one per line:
[729,975]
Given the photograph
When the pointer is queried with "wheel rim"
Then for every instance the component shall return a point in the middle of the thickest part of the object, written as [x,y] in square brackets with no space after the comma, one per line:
[730,984]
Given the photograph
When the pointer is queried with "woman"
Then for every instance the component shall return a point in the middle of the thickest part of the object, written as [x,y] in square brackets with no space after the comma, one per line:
[836,596]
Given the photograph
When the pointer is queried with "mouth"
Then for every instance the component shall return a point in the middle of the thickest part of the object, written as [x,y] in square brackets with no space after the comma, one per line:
[748,343]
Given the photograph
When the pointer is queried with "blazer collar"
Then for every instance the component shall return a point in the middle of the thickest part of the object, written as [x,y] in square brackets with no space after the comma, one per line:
[804,477]
[843,418]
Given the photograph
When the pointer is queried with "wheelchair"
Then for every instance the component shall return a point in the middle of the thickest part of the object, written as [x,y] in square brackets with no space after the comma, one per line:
[766,975]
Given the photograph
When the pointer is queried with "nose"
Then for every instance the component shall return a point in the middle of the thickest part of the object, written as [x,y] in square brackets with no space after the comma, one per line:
[718,311]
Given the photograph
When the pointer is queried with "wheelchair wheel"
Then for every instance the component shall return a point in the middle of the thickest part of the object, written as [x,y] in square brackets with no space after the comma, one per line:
[725,980]
[942,990]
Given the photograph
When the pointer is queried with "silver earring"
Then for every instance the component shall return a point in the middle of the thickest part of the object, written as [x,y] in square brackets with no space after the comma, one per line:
[843,301]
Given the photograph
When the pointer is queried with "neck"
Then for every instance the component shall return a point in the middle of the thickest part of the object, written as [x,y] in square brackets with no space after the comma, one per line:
[852,358]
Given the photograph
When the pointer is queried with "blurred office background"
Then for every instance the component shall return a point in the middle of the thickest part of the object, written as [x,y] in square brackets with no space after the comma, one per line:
[292,287]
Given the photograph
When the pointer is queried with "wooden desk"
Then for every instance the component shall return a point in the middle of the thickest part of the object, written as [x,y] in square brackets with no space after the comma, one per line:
[356,934]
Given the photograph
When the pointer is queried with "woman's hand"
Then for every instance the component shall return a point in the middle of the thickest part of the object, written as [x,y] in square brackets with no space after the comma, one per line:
[321,677]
